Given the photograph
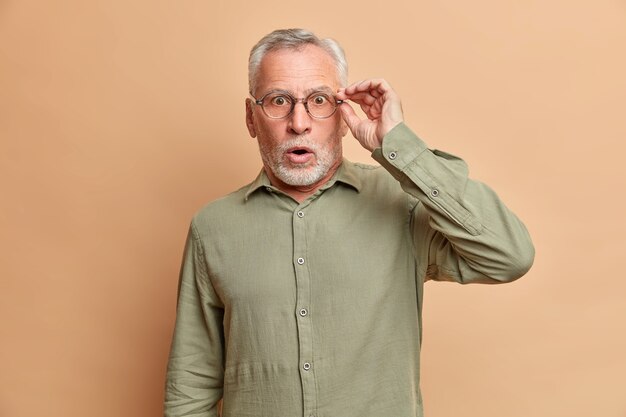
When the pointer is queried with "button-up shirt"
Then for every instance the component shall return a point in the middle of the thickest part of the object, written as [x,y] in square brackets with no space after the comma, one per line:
[291,309]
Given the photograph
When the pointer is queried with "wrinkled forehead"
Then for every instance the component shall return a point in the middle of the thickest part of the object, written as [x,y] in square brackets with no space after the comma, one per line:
[297,71]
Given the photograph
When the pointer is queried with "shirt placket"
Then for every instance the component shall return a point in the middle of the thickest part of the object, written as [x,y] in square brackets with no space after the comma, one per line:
[303,312]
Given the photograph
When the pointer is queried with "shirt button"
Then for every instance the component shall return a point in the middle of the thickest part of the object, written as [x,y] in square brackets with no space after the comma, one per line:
[306,366]
[300,214]
[301,261]
[392,155]
[434,192]
[303,312]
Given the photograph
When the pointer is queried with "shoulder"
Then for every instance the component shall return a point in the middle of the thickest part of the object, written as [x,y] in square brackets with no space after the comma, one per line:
[376,184]
[373,178]
[217,211]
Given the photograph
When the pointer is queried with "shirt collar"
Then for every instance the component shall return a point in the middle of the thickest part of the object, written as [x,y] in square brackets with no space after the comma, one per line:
[346,174]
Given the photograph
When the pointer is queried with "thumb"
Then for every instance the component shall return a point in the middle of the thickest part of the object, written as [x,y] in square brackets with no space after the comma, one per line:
[350,117]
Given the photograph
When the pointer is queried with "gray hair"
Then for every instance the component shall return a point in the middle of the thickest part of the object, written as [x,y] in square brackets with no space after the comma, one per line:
[295,39]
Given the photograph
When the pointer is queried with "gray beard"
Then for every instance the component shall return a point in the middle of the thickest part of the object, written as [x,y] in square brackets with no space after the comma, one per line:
[299,176]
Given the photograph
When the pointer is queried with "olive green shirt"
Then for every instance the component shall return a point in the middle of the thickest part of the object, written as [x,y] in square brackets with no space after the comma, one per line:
[291,309]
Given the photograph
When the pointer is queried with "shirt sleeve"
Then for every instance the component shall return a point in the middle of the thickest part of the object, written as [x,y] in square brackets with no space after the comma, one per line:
[461,228]
[195,370]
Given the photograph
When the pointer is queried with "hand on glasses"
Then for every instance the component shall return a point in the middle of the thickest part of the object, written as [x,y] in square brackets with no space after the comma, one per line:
[381,105]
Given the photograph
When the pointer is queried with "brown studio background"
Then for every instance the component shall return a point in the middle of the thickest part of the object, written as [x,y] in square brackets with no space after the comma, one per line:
[118,120]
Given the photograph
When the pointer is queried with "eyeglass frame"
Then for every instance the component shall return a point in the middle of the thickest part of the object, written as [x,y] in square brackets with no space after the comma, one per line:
[294,101]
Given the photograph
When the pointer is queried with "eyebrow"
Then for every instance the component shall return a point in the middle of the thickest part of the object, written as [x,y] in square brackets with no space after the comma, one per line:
[320,89]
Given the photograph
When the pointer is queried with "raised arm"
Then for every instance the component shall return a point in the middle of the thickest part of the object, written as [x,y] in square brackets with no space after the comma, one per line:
[462,231]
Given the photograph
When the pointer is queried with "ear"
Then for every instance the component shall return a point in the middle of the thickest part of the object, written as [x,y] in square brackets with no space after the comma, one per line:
[343,129]
[250,118]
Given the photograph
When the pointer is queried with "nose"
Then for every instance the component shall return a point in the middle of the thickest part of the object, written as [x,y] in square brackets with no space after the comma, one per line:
[299,120]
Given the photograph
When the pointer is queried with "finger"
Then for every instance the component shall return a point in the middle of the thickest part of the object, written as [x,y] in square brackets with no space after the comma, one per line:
[376,93]
[377,85]
[363,104]
[366,109]
[341,94]
[349,116]
[362,97]
[372,112]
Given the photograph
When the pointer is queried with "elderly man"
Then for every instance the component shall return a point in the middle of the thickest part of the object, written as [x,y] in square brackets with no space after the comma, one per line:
[301,293]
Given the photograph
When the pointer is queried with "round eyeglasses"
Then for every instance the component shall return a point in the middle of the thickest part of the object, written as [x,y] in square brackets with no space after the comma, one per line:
[280,104]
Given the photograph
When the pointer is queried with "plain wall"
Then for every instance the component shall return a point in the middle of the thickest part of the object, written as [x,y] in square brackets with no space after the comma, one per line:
[119,119]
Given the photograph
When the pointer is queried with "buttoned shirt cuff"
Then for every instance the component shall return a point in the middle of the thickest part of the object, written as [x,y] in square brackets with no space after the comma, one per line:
[434,177]
[400,147]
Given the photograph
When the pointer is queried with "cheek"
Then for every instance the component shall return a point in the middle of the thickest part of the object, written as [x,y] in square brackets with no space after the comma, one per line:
[271,130]
[267,136]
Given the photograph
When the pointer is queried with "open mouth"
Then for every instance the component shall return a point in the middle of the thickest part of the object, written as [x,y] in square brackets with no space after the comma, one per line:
[299,151]
[299,155]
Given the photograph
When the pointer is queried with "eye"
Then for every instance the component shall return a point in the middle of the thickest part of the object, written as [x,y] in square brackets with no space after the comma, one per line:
[279,101]
[319,99]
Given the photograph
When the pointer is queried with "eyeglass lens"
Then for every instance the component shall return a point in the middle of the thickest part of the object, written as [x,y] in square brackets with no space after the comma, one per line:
[279,105]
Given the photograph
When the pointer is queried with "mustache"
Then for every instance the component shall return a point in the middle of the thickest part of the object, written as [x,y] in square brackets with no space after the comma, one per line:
[298,141]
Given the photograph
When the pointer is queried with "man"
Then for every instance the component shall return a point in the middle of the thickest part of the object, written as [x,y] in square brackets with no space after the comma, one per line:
[301,293]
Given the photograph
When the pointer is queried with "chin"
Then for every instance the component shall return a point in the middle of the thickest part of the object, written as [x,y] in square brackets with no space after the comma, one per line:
[300,176]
